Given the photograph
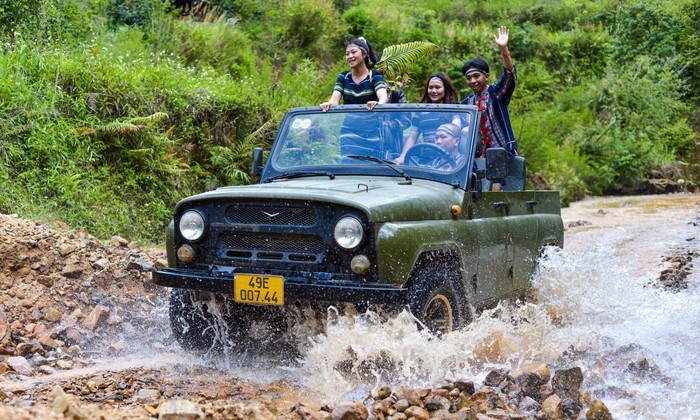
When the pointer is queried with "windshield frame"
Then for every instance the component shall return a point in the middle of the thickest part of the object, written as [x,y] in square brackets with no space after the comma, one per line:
[461,177]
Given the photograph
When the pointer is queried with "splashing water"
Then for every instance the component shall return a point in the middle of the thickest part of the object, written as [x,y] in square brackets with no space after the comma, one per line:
[592,306]
[637,345]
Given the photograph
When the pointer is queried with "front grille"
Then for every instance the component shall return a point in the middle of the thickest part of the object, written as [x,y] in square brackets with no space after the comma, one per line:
[275,247]
[271,215]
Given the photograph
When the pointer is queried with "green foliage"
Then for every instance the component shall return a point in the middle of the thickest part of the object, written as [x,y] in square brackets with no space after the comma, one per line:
[142,13]
[642,121]
[644,28]
[49,21]
[215,42]
[396,60]
[689,47]
[311,25]
[357,19]
[111,111]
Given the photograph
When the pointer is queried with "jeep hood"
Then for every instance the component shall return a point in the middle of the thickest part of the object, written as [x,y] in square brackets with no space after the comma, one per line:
[381,198]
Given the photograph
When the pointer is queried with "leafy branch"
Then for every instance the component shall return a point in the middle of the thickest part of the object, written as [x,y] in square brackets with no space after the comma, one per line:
[397,60]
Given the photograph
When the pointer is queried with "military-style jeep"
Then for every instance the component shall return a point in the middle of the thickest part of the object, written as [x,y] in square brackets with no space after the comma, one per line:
[334,220]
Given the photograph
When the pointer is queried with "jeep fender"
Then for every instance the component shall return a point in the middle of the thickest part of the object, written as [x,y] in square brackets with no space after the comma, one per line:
[400,247]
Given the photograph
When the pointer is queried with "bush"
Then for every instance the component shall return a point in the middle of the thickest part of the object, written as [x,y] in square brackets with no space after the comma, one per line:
[644,28]
[312,26]
[642,120]
[215,42]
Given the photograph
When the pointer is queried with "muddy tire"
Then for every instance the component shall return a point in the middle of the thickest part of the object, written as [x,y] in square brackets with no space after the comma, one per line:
[191,322]
[435,301]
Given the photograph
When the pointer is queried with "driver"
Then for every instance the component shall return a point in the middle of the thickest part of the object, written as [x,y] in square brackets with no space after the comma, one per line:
[447,136]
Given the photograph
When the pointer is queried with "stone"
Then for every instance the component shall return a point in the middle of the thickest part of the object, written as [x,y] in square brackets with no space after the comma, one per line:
[148,394]
[179,410]
[72,270]
[138,264]
[552,407]
[46,340]
[540,369]
[495,377]
[566,383]
[73,336]
[99,314]
[465,386]
[437,402]
[69,320]
[401,405]
[118,241]
[382,407]
[103,279]
[20,365]
[23,349]
[47,370]
[598,411]
[66,249]
[259,411]
[530,383]
[64,364]
[52,314]
[417,413]
[349,410]
[529,405]
[383,392]
[118,346]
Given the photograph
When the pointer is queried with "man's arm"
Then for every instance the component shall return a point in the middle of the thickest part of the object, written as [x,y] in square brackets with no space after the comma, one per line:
[502,41]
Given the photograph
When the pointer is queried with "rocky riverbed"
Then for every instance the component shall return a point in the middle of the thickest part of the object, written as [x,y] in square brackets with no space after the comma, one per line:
[75,310]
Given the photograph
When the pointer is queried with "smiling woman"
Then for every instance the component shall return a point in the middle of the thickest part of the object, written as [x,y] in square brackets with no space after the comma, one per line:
[439,89]
[361,85]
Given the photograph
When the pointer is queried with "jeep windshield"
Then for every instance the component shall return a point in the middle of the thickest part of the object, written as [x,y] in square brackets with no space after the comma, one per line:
[350,140]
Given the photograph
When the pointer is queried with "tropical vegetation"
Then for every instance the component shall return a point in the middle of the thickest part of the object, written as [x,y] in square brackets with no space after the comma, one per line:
[113,110]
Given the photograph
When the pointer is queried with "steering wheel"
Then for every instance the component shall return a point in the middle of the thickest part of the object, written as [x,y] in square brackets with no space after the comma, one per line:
[424,154]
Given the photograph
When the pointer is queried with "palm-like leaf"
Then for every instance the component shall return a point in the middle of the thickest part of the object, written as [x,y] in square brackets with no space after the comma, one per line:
[397,59]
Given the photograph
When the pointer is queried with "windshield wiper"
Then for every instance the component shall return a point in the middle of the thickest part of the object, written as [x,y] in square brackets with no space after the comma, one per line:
[385,162]
[290,175]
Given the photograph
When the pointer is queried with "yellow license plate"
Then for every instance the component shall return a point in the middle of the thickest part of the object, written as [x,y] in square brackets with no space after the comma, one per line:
[259,289]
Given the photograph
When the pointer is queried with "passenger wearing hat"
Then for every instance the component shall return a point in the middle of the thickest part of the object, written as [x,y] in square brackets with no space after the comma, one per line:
[447,136]
[492,100]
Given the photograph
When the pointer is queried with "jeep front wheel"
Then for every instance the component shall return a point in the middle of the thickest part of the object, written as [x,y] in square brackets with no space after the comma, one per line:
[194,325]
[434,301]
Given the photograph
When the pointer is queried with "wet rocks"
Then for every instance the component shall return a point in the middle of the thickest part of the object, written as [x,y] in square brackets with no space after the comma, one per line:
[529,392]
[63,291]
[675,277]
[179,410]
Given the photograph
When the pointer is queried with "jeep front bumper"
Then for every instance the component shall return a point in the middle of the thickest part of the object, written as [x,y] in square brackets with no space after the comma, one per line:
[310,287]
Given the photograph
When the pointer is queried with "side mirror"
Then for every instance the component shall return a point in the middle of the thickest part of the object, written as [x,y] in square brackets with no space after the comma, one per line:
[496,163]
[256,169]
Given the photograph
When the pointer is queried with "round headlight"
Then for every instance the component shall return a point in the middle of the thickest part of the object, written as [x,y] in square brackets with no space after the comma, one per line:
[348,232]
[192,225]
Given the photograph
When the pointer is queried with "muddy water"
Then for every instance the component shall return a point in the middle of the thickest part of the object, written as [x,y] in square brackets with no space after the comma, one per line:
[593,307]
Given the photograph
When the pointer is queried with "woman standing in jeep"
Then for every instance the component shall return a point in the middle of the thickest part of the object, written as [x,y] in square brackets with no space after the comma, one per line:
[359,86]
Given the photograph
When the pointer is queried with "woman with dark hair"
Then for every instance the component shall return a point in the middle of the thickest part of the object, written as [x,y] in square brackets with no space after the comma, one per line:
[439,89]
[359,86]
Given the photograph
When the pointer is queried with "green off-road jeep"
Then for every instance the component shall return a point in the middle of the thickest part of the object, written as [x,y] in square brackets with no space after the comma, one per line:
[334,221]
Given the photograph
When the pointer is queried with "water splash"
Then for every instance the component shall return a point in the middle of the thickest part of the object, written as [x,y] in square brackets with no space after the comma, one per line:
[637,345]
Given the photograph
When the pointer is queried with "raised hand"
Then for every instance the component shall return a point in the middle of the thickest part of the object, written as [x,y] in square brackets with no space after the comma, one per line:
[502,38]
